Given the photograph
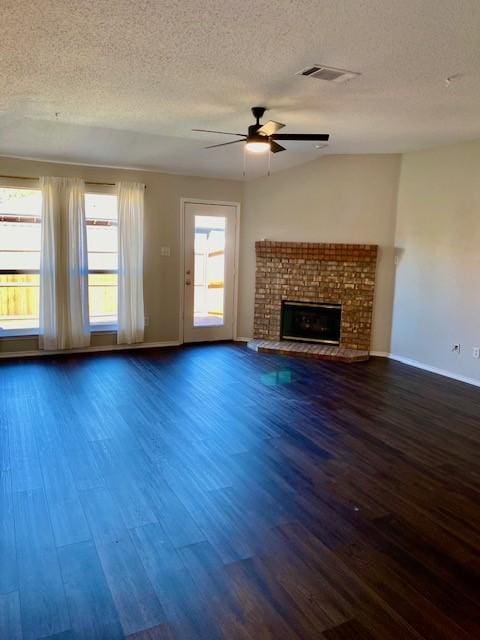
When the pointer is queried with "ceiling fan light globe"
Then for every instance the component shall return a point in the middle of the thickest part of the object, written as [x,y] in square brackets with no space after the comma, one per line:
[256,146]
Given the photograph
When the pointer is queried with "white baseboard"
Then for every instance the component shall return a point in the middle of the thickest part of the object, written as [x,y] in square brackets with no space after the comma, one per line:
[412,363]
[426,367]
[96,349]
[176,343]
[441,372]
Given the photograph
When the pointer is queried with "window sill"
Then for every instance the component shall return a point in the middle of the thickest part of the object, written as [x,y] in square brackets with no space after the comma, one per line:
[103,328]
[33,333]
[18,333]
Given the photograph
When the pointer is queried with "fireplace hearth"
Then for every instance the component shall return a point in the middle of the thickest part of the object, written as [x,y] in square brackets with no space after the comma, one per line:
[311,322]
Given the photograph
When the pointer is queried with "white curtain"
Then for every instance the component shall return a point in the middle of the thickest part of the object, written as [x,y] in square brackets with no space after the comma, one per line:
[63,265]
[130,262]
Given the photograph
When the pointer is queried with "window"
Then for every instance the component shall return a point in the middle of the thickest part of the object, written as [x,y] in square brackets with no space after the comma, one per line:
[102,242]
[20,241]
[20,235]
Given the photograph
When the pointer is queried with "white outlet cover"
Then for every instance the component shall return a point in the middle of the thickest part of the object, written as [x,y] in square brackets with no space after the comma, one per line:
[164,251]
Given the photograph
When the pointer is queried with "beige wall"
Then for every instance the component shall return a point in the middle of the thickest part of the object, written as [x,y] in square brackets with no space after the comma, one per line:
[162,228]
[333,199]
[437,293]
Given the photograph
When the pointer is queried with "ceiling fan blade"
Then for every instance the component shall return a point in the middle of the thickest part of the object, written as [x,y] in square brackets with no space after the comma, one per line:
[270,127]
[223,144]
[275,147]
[223,133]
[300,136]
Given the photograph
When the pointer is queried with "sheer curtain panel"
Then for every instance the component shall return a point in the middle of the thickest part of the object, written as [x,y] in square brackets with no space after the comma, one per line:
[64,320]
[131,317]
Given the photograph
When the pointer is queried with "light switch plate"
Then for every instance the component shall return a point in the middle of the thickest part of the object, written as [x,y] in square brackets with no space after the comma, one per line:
[165,251]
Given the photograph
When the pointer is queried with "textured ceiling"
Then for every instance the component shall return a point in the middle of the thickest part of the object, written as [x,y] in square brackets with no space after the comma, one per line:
[130,79]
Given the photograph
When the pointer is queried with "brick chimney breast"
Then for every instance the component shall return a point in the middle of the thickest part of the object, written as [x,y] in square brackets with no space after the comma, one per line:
[316,272]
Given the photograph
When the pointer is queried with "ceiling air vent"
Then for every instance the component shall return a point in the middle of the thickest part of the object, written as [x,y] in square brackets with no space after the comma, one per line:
[327,73]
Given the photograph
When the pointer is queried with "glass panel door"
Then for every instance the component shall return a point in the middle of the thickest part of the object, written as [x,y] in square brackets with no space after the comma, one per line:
[209,271]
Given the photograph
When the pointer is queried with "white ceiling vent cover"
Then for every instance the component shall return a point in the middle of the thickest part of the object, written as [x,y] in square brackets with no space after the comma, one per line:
[330,74]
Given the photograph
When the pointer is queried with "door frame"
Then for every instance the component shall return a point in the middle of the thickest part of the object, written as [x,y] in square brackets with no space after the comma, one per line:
[183,202]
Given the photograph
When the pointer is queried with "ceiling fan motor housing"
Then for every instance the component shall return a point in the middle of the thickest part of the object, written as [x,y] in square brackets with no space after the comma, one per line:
[252,131]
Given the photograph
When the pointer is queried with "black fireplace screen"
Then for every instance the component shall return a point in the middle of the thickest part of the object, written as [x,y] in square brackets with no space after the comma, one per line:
[311,322]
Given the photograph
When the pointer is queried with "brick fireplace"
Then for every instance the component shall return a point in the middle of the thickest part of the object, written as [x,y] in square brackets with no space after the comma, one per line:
[338,274]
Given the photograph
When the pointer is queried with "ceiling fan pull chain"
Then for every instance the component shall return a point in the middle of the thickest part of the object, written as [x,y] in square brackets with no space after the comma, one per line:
[269,162]
[244,161]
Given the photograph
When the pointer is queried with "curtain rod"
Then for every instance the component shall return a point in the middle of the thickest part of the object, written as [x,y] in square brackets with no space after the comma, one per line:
[98,184]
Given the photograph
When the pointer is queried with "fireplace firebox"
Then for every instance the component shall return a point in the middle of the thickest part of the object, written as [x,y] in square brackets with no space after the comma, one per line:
[311,322]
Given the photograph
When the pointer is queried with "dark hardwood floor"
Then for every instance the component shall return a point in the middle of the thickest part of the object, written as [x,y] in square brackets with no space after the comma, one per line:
[209,492]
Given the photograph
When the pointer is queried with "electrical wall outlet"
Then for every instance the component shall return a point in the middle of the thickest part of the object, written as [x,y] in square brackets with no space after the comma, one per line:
[146,321]
[165,251]
[476,352]
[456,348]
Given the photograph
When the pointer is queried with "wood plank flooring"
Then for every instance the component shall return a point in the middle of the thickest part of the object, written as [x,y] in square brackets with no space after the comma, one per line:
[210,492]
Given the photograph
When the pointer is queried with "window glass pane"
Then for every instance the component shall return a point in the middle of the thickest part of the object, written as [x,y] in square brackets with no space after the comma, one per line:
[20,236]
[19,301]
[101,206]
[102,297]
[209,271]
[20,230]
[20,202]
[102,243]
[102,247]
[19,245]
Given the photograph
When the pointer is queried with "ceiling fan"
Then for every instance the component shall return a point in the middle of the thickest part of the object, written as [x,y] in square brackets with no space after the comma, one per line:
[263,137]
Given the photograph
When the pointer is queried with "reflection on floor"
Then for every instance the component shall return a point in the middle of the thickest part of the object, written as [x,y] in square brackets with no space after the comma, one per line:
[200,320]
